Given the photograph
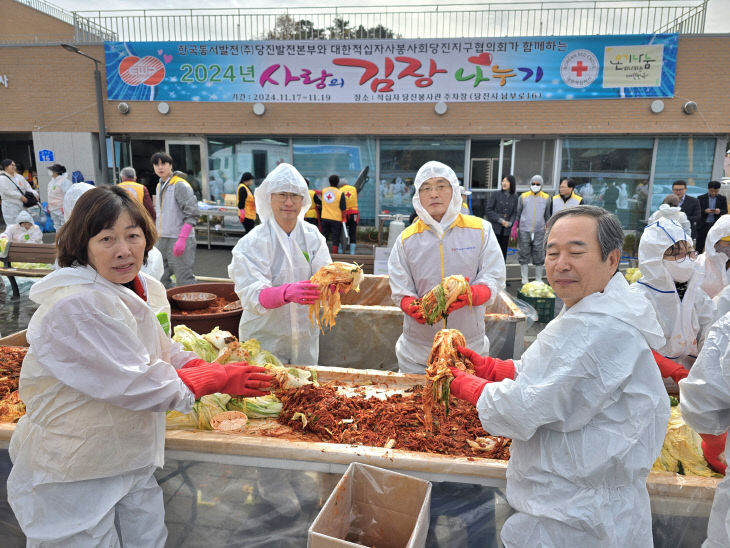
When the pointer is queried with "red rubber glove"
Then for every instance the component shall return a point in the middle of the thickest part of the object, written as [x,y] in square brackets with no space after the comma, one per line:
[409,306]
[197,362]
[479,295]
[669,368]
[246,380]
[179,248]
[465,386]
[204,380]
[301,292]
[486,367]
[714,449]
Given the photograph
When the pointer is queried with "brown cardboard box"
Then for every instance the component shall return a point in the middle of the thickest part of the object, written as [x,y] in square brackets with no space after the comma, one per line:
[373,507]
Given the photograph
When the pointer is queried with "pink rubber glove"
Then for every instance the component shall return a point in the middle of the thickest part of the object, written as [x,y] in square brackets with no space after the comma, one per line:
[302,292]
[179,248]
[465,386]
[486,367]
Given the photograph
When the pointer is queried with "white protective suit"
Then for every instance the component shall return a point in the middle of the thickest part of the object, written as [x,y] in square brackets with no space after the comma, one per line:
[16,233]
[711,264]
[72,196]
[268,257]
[684,322]
[427,252]
[722,303]
[97,381]
[704,399]
[57,188]
[12,188]
[676,214]
[587,420]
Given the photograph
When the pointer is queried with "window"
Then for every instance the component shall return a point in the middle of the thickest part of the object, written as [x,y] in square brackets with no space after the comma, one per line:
[611,173]
[400,160]
[317,159]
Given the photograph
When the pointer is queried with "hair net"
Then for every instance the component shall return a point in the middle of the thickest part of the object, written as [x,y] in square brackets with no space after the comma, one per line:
[284,178]
[72,196]
[428,171]
[655,240]
[24,217]
[536,179]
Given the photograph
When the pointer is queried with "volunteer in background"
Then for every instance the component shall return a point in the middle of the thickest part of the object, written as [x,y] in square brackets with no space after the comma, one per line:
[669,209]
[177,214]
[587,418]
[669,281]
[24,230]
[502,211]
[312,214]
[98,378]
[704,399]
[441,243]
[465,209]
[57,188]
[246,202]
[332,204]
[129,183]
[271,268]
[533,211]
[715,261]
[566,196]
[351,214]
[12,191]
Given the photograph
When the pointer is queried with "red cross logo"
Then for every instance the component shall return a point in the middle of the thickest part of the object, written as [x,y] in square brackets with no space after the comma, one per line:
[579,69]
[329,197]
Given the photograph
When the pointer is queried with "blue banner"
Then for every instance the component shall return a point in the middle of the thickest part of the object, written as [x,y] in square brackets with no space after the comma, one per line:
[398,71]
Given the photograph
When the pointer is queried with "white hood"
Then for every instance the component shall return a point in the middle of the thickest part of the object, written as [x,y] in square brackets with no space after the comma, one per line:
[715,273]
[284,178]
[72,195]
[655,240]
[437,169]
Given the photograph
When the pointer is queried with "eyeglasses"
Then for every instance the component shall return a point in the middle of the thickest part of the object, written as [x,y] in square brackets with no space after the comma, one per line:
[438,188]
[284,196]
[681,256]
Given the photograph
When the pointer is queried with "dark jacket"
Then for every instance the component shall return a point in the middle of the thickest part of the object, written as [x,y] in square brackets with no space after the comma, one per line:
[501,205]
[691,208]
[720,202]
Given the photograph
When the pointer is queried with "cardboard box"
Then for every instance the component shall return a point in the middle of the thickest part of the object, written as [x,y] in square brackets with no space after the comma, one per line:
[373,507]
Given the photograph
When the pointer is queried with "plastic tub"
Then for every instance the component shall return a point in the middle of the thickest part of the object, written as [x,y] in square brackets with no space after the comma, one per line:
[205,323]
[368,326]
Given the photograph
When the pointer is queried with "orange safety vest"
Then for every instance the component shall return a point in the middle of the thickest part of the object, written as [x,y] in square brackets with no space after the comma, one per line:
[350,199]
[311,213]
[331,204]
[135,189]
[249,206]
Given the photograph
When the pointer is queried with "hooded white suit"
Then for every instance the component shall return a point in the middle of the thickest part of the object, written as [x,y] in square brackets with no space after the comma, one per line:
[97,381]
[17,233]
[711,264]
[269,257]
[705,404]
[587,419]
[427,252]
[684,322]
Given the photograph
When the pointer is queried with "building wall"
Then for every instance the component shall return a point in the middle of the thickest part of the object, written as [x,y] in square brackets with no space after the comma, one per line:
[75,151]
[64,100]
[24,24]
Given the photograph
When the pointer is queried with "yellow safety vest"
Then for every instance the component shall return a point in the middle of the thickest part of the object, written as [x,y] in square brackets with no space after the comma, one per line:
[249,207]
[350,199]
[135,189]
[311,213]
[331,204]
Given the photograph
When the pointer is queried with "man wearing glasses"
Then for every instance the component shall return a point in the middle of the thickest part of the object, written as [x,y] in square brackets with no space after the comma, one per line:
[442,242]
[271,268]
[685,312]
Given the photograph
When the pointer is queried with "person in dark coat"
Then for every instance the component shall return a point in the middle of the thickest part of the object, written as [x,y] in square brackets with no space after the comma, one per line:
[502,211]
[713,205]
[688,204]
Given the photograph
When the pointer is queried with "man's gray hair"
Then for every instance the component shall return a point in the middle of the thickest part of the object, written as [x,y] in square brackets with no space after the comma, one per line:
[610,233]
[128,173]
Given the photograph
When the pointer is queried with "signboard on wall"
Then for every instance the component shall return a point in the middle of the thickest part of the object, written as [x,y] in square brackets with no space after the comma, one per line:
[394,71]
